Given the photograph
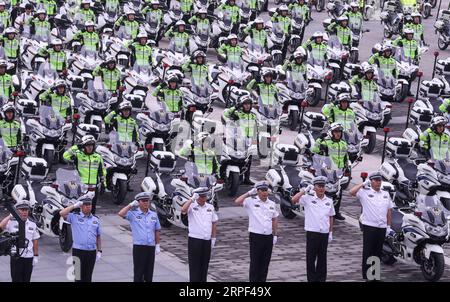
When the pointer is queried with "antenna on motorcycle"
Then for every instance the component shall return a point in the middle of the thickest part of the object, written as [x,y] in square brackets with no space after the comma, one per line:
[419,75]
[328,79]
[386,131]
[410,100]
[303,105]
[436,55]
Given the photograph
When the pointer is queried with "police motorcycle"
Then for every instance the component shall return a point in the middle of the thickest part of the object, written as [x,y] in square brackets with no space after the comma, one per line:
[137,82]
[392,19]
[337,56]
[171,59]
[390,89]
[291,96]
[117,47]
[336,8]
[119,157]
[418,236]
[197,101]
[311,128]
[64,28]
[29,58]
[158,127]
[170,198]
[8,167]
[407,68]
[82,64]
[66,190]
[298,26]
[356,142]
[442,29]
[227,81]
[35,84]
[173,15]
[254,57]
[268,123]
[221,28]
[47,135]
[275,42]
[319,73]
[153,26]
[237,150]
[371,115]
[94,105]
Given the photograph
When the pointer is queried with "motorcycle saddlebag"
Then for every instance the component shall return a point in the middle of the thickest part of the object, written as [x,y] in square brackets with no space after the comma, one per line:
[351,70]
[164,160]
[35,168]
[398,147]
[445,15]
[314,121]
[287,154]
[27,107]
[443,66]
[431,88]
[84,129]
[421,115]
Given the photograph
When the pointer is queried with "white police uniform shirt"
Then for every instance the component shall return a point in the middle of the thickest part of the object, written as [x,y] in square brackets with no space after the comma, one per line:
[260,215]
[200,220]
[31,233]
[317,213]
[375,205]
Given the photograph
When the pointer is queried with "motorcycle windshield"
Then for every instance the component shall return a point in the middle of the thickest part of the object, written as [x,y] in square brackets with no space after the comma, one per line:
[99,96]
[161,117]
[47,73]
[333,42]
[175,47]
[374,107]
[69,183]
[255,47]
[49,119]
[5,152]
[296,82]
[432,211]
[236,142]
[351,133]
[269,111]
[277,30]
[196,180]
[385,81]
[324,166]
[226,18]
[89,54]
[315,61]
[200,91]
[121,148]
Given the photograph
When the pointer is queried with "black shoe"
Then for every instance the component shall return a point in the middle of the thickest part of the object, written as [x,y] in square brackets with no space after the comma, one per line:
[338,216]
[248,182]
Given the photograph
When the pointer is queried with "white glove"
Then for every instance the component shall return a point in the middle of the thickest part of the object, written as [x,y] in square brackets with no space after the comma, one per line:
[308,189]
[157,249]
[252,192]
[77,204]
[99,256]
[366,183]
[134,203]
[275,239]
[389,231]
[330,237]
[213,242]
[195,196]
[35,260]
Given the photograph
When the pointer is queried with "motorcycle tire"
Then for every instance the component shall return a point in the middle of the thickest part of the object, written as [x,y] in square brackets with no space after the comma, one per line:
[387,259]
[277,60]
[320,5]
[354,56]
[435,272]
[277,2]
[119,191]
[441,44]
[316,97]
[262,142]
[233,183]
[372,142]
[426,12]
[49,156]
[65,238]
[287,212]
[387,34]
[403,93]
[366,14]
[163,221]
[433,3]
[293,120]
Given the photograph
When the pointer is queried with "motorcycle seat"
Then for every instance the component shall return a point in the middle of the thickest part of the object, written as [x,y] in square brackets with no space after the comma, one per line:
[292,174]
[397,220]
[410,171]
[36,187]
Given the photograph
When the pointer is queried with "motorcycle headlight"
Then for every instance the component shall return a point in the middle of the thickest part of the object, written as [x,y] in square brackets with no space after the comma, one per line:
[99,106]
[52,132]
[123,161]
[374,116]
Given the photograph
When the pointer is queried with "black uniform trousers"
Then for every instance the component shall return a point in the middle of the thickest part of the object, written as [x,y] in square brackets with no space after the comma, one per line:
[260,254]
[85,266]
[373,239]
[316,256]
[21,269]
[143,262]
[199,254]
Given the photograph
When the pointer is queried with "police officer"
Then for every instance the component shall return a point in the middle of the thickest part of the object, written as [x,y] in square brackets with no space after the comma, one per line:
[85,12]
[89,164]
[355,18]
[110,74]
[179,35]
[297,66]
[409,46]
[170,94]
[266,91]
[40,26]
[316,46]
[319,212]
[335,147]
[202,220]
[86,235]
[342,31]
[58,98]
[257,33]
[22,267]
[417,27]
[340,112]
[6,82]
[434,142]
[154,12]
[88,37]
[199,69]
[141,53]
[10,129]
[263,228]
[375,218]
[10,43]
[230,52]
[130,25]
[56,56]
[365,84]
[122,122]
[230,7]
[384,61]
[201,153]
[145,229]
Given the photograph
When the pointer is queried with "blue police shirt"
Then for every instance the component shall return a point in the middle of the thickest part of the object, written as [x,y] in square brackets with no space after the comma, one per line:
[85,230]
[143,226]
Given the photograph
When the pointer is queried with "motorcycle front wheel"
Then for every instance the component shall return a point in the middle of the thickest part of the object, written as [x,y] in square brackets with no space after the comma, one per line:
[441,44]
[433,3]
[163,221]
[233,183]
[287,212]
[65,238]
[119,191]
[49,155]
[387,258]
[315,99]
[293,120]
[426,12]
[387,34]
[433,268]
[354,56]
[372,142]
[320,5]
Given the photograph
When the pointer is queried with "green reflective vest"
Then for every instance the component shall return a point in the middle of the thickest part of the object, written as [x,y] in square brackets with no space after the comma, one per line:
[335,114]
[142,54]
[4,18]
[259,36]
[344,34]
[126,128]
[89,40]
[267,92]
[86,15]
[110,78]
[410,47]
[247,121]
[59,103]
[199,73]
[41,28]
[418,30]
[6,85]
[299,10]
[186,6]
[11,47]
[89,166]
[173,98]
[336,150]
[233,10]
[318,51]
[438,144]
[57,59]
[284,21]
[49,6]
[179,39]
[368,88]
[232,53]
[445,106]
[10,132]
[387,65]
[355,20]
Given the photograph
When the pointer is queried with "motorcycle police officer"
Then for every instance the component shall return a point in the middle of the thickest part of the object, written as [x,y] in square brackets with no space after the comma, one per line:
[409,46]
[58,98]
[199,69]
[417,27]
[141,53]
[5,19]
[230,7]
[263,229]
[56,56]
[319,212]
[384,61]
[22,266]
[266,91]
[85,12]
[340,112]
[201,153]
[88,163]
[110,74]
[178,36]
[154,11]
[200,22]
[243,114]
[10,43]
[301,8]
[335,147]
[230,52]
[365,83]
[375,218]
[122,122]
[130,25]
[170,94]
[342,31]
[202,221]
[355,18]
[316,46]
[39,26]
[257,33]
[88,37]
[297,65]
[86,234]
[145,229]
[10,129]
[434,142]
[6,82]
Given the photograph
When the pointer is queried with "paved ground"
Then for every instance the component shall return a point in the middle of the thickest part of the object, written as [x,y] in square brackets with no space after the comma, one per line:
[231,258]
